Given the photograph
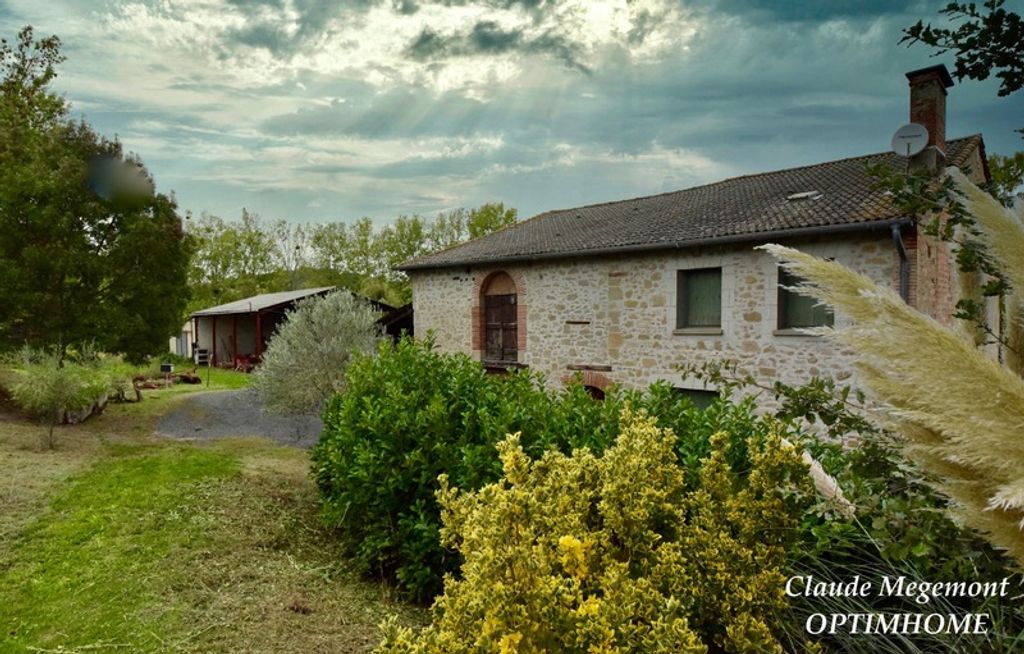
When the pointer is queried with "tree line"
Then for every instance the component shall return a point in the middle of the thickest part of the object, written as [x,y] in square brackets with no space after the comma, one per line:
[238,258]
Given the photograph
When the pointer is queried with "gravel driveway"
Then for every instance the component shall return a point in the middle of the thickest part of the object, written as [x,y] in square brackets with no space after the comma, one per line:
[217,414]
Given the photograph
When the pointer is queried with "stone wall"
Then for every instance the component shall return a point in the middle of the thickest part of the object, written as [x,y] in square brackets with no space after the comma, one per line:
[613,318]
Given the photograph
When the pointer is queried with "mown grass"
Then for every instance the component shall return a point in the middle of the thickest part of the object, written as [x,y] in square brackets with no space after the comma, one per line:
[221,379]
[213,379]
[119,541]
[91,570]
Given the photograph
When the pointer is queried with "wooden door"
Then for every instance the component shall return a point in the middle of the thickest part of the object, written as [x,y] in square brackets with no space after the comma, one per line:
[501,340]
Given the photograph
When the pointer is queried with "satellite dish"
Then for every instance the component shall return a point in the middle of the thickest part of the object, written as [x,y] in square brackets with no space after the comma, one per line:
[909,140]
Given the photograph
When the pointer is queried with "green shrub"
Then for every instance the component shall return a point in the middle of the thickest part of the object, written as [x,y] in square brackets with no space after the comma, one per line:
[53,391]
[119,376]
[412,413]
[618,553]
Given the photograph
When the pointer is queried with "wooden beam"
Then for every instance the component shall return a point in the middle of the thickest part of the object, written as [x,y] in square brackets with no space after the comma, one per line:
[213,359]
[259,335]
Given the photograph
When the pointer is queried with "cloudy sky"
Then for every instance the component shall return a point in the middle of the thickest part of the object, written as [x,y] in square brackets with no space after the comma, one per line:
[318,110]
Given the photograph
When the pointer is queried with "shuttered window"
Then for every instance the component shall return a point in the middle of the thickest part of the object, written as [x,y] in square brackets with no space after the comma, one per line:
[501,333]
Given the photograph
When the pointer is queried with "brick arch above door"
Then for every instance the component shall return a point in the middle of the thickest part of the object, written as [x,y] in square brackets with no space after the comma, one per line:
[590,378]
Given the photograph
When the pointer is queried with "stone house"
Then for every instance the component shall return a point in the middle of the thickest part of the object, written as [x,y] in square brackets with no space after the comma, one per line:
[628,291]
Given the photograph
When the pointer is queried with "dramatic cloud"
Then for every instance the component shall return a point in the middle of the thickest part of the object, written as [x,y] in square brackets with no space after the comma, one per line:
[488,38]
[820,11]
[317,109]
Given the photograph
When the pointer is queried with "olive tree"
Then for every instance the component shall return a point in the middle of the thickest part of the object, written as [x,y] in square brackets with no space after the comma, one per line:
[304,364]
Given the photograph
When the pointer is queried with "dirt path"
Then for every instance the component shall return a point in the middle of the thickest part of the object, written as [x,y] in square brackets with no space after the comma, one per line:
[220,414]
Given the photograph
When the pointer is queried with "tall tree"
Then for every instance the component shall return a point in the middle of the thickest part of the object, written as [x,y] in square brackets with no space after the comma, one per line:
[986,40]
[233,260]
[291,252]
[447,230]
[330,244]
[400,241]
[1007,176]
[88,253]
[489,218]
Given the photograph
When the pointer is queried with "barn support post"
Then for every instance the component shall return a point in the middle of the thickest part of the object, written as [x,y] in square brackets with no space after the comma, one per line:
[195,338]
[234,337]
[213,360]
[259,335]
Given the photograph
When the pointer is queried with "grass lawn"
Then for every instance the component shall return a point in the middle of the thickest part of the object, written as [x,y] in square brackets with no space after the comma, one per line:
[119,541]
[219,379]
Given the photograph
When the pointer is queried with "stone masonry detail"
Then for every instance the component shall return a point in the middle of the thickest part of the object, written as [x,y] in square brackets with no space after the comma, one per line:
[616,315]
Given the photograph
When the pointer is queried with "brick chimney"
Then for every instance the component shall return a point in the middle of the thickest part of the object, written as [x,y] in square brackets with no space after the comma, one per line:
[928,107]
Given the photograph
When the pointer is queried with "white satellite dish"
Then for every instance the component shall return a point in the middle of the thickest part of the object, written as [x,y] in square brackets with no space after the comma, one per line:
[909,140]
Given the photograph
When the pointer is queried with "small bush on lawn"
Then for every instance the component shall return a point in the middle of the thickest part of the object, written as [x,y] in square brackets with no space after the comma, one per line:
[617,553]
[55,389]
[412,413]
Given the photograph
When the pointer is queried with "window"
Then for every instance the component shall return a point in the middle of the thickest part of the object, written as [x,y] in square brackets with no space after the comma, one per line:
[701,399]
[797,311]
[699,299]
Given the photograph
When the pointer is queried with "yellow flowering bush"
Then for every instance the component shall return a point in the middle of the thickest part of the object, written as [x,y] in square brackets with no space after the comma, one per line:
[618,553]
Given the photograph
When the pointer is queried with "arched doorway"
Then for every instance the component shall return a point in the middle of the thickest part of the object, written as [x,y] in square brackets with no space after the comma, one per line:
[500,320]
[594,383]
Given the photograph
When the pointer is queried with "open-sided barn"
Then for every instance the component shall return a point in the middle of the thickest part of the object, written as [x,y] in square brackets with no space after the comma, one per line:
[237,333]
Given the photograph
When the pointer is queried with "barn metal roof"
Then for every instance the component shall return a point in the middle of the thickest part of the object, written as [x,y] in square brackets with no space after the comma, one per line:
[261,302]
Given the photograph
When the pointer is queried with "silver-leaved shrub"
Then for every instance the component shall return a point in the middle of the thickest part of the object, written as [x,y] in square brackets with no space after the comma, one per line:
[304,365]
